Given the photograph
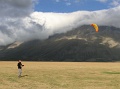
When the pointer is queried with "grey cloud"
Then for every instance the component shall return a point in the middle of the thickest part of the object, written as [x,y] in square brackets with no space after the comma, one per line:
[15,8]
[17,3]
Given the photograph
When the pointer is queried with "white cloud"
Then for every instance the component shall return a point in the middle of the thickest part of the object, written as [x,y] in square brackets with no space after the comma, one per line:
[115,3]
[103,1]
[57,0]
[18,23]
[68,3]
[68,21]
[111,2]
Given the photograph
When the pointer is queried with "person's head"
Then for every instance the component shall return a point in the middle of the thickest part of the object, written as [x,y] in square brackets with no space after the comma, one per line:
[19,60]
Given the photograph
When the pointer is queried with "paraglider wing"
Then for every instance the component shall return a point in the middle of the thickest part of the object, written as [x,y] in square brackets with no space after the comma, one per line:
[95,27]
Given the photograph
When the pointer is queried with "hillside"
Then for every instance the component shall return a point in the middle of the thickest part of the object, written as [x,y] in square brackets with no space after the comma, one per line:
[79,44]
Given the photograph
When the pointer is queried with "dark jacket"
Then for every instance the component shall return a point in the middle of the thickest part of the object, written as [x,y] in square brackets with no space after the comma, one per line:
[19,65]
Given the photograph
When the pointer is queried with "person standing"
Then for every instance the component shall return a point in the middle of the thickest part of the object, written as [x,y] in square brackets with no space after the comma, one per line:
[19,68]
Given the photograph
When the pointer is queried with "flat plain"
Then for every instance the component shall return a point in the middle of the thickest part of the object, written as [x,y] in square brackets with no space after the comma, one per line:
[60,75]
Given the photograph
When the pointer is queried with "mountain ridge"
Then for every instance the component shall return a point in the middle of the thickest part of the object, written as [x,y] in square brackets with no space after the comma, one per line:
[78,45]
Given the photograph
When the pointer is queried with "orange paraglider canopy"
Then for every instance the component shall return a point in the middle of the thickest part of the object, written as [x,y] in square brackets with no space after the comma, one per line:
[95,27]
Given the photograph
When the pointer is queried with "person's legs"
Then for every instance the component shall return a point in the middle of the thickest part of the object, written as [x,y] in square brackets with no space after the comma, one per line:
[19,72]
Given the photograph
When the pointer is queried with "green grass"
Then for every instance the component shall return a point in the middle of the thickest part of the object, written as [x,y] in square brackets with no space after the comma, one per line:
[60,75]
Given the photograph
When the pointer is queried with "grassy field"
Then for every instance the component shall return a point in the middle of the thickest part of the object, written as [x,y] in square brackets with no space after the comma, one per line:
[60,75]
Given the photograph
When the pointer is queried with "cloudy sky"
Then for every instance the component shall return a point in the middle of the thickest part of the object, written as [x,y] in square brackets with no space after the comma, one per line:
[24,20]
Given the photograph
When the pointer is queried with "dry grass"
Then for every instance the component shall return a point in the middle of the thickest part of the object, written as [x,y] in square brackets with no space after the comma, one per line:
[60,75]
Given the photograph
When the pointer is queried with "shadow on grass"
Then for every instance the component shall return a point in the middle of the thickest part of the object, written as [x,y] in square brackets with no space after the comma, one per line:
[24,75]
[112,72]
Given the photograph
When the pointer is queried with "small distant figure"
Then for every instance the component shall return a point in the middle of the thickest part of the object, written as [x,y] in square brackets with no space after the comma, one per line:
[19,68]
